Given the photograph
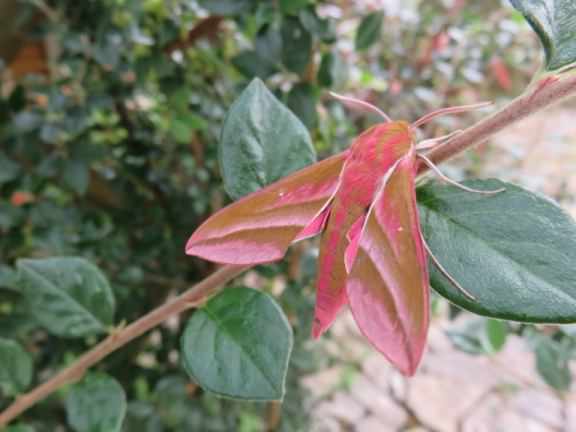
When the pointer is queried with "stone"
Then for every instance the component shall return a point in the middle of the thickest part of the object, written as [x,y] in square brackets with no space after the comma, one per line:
[539,405]
[570,408]
[399,385]
[496,415]
[348,349]
[378,370]
[323,383]
[517,362]
[342,407]
[441,401]
[463,367]
[378,402]
[374,424]
[437,340]
[326,425]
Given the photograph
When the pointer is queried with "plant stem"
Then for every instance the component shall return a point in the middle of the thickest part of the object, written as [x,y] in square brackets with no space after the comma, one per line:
[543,93]
[189,299]
[547,91]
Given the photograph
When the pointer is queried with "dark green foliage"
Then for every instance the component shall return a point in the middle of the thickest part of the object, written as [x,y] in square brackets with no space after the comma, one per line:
[238,345]
[262,141]
[369,30]
[97,404]
[510,250]
[552,357]
[15,368]
[555,23]
[69,296]
[296,45]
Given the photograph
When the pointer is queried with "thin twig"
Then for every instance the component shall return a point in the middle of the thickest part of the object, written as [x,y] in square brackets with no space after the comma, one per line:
[189,299]
[542,94]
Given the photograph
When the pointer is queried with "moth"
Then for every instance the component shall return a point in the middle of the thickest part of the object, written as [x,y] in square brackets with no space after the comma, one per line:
[373,256]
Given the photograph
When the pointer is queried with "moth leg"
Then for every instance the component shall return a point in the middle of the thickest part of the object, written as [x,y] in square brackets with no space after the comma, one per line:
[455,183]
[433,142]
[445,272]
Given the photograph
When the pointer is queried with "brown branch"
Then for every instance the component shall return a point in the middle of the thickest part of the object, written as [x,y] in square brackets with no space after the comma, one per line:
[545,92]
[542,94]
[206,28]
[189,299]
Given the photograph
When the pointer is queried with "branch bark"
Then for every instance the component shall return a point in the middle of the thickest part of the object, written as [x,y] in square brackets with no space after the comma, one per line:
[543,93]
[189,299]
[547,91]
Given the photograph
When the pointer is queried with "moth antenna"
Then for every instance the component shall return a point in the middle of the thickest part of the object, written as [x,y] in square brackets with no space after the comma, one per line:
[447,179]
[445,272]
[432,142]
[450,110]
[363,104]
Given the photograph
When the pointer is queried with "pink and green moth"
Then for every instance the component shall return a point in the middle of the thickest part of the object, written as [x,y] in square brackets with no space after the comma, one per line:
[373,256]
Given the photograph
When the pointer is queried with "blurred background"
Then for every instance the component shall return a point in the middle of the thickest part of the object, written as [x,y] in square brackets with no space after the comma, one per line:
[110,114]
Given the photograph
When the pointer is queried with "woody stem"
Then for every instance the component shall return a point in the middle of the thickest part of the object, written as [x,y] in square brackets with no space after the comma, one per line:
[542,94]
[189,299]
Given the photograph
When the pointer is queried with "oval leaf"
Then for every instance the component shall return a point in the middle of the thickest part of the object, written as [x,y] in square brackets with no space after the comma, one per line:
[20,428]
[97,404]
[239,345]
[514,251]
[555,23]
[296,45]
[552,361]
[68,296]
[302,101]
[496,334]
[9,169]
[262,141]
[227,7]
[369,30]
[15,368]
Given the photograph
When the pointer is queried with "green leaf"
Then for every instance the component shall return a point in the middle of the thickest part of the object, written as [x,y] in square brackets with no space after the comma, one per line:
[468,340]
[555,23]
[268,45]
[76,176]
[480,336]
[296,45]
[227,7]
[302,101]
[322,28]
[9,169]
[68,296]
[20,428]
[97,404]
[15,368]
[496,334]
[8,277]
[261,141]
[552,363]
[292,6]
[369,30]
[182,127]
[333,72]
[172,398]
[251,64]
[514,251]
[239,345]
